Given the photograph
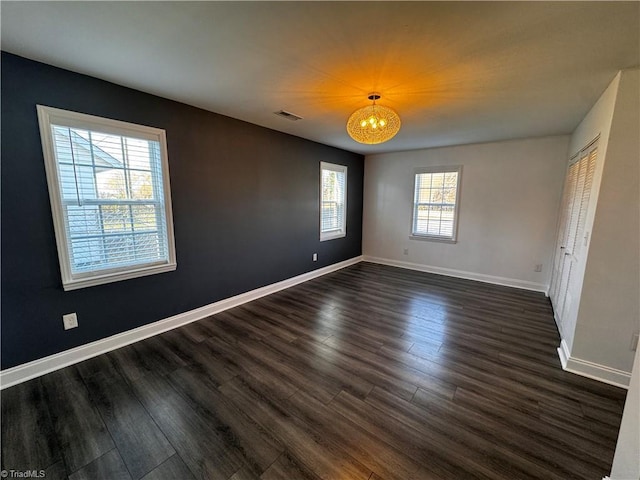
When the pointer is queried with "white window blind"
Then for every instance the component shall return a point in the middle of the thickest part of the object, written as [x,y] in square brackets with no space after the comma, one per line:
[109,189]
[333,201]
[435,203]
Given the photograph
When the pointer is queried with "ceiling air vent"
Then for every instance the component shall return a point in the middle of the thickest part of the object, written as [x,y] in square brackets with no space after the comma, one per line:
[288,115]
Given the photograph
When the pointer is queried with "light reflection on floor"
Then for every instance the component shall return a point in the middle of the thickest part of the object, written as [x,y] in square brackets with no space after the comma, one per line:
[425,327]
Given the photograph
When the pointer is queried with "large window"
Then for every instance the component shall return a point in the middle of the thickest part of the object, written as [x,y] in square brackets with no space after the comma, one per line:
[333,201]
[435,203]
[109,191]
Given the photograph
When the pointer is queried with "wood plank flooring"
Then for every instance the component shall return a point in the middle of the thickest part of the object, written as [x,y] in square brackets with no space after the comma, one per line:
[369,373]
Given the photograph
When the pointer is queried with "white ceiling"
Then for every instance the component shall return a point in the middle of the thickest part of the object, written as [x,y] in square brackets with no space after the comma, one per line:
[456,72]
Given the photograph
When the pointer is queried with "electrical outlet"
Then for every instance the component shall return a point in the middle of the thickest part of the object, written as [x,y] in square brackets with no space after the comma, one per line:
[634,342]
[70,320]
[406,251]
[538,267]
[315,257]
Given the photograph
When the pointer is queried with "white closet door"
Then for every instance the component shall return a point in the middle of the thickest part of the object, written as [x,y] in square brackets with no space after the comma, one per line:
[581,239]
[572,236]
[565,214]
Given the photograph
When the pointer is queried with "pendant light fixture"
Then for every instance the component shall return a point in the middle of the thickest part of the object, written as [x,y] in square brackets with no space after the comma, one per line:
[374,123]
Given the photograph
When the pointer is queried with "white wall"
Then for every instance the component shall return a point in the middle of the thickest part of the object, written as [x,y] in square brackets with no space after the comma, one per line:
[626,461]
[609,311]
[596,123]
[509,204]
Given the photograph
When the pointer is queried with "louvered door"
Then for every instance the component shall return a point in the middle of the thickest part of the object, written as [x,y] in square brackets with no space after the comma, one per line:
[572,237]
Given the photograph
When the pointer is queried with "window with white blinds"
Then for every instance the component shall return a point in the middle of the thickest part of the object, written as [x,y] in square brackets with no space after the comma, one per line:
[109,190]
[435,203]
[333,201]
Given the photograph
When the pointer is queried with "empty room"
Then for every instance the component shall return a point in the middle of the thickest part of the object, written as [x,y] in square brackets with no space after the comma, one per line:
[320,240]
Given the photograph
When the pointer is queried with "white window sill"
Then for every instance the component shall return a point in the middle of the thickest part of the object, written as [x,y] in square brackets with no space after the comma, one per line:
[93,280]
[332,235]
[431,238]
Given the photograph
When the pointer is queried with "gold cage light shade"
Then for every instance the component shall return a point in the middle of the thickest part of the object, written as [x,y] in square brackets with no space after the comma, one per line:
[374,123]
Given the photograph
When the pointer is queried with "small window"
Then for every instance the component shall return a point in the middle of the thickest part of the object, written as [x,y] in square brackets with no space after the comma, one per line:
[109,190]
[333,201]
[435,203]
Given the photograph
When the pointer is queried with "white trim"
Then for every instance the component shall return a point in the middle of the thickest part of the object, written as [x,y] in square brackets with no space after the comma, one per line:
[36,368]
[595,371]
[106,125]
[564,353]
[431,238]
[342,231]
[450,272]
[118,276]
[456,207]
[48,116]
[332,235]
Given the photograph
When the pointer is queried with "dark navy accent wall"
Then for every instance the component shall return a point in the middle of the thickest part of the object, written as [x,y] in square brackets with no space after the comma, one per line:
[245,211]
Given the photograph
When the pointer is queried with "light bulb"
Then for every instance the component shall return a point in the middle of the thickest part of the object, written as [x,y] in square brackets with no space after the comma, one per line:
[382,122]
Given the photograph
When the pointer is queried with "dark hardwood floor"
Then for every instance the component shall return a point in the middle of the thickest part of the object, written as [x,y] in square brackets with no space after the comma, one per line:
[371,373]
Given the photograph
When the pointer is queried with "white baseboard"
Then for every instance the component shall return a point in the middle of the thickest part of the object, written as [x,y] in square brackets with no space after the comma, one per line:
[36,368]
[480,277]
[595,371]
[564,354]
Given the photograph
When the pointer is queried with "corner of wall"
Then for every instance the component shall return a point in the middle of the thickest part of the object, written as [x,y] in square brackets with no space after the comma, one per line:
[595,124]
[585,368]
[607,311]
[626,460]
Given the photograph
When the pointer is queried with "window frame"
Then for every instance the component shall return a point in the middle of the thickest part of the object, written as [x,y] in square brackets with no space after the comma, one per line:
[342,231]
[456,209]
[48,116]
